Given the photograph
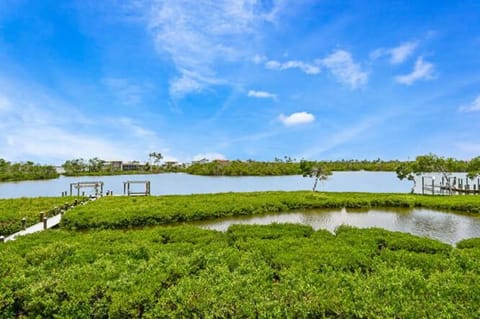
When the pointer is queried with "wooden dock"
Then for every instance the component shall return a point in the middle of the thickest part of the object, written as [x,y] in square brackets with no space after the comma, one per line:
[450,186]
[46,224]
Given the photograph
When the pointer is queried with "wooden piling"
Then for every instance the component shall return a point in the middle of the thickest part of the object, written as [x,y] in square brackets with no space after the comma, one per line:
[42,214]
[433,186]
[45,219]
[24,223]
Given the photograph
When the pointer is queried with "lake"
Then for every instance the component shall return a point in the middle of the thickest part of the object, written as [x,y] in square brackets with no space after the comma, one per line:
[179,183]
[446,227]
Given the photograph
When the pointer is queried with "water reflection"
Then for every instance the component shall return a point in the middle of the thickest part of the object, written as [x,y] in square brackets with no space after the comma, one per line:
[446,227]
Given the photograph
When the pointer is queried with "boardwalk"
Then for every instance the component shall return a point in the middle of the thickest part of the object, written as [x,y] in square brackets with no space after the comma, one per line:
[51,222]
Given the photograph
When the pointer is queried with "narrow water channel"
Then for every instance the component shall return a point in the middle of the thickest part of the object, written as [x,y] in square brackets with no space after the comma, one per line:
[447,227]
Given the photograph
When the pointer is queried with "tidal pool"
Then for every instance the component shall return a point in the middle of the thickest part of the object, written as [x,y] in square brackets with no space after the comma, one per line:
[444,226]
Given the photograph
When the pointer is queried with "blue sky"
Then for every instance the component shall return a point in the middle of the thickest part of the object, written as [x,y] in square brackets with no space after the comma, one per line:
[239,79]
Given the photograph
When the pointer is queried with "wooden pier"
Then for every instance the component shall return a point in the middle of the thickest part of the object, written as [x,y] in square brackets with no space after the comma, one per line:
[97,186]
[450,186]
[127,191]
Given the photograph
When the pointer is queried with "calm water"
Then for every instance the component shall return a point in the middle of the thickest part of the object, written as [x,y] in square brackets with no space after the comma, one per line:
[162,184]
[446,227]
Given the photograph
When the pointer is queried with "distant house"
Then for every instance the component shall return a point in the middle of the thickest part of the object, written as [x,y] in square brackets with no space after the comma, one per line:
[123,166]
[113,165]
[202,161]
[60,169]
[172,164]
[133,166]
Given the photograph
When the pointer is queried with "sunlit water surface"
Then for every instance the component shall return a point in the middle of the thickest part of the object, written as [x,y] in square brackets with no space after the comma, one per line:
[446,227]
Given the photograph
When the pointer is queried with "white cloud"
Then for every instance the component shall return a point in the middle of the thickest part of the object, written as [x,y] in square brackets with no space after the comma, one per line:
[472,107]
[262,95]
[257,59]
[398,54]
[341,65]
[197,35]
[422,71]
[304,67]
[402,52]
[298,118]
[209,156]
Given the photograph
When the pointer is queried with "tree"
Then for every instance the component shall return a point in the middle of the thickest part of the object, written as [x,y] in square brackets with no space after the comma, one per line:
[406,171]
[423,164]
[95,164]
[74,166]
[156,157]
[473,167]
[315,170]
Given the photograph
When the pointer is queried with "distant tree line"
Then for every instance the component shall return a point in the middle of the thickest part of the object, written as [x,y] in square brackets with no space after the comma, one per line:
[287,166]
[279,166]
[25,171]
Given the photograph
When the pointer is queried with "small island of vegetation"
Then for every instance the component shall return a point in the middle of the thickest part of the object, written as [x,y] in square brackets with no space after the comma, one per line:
[25,171]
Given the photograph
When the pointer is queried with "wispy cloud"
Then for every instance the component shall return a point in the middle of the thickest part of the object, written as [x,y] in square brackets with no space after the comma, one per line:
[43,128]
[341,64]
[262,95]
[125,91]
[422,70]
[304,67]
[294,119]
[257,59]
[397,54]
[472,107]
[343,136]
[199,34]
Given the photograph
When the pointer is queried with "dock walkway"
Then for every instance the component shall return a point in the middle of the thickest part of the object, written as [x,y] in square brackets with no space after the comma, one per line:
[51,222]
[44,225]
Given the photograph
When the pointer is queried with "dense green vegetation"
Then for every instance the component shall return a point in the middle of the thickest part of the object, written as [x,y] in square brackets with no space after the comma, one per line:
[98,167]
[25,171]
[13,210]
[276,271]
[123,212]
[287,167]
